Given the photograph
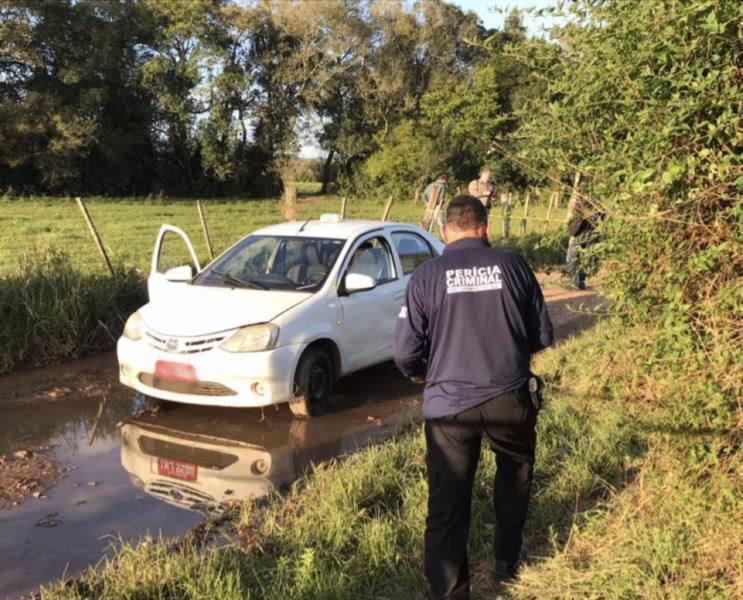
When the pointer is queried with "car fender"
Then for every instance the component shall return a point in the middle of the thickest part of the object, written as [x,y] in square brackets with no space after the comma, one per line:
[310,321]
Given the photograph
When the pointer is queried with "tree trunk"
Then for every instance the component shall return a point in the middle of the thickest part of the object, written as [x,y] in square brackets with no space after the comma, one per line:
[326,172]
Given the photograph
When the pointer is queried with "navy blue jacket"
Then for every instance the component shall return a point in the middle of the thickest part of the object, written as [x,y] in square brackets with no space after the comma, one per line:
[472,318]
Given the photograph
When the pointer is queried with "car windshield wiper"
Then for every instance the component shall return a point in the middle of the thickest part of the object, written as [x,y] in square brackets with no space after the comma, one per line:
[239,282]
[307,286]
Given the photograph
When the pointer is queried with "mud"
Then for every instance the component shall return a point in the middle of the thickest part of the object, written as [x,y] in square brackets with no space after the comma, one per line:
[88,377]
[161,469]
[26,473]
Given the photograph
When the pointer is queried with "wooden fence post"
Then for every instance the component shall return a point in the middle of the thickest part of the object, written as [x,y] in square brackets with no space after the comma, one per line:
[205,229]
[387,209]
[506,211]
[290,203]
[417,196]
[526,214]
[553,199]
[573,197]
[344,202]
[96,237]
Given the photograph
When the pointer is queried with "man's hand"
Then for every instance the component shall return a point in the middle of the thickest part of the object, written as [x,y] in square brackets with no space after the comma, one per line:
[418,380]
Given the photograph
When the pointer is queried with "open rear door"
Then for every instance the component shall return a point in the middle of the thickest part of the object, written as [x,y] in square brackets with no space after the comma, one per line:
[174,262]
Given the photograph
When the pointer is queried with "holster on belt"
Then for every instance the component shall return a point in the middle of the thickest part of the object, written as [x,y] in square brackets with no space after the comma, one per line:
[535,391]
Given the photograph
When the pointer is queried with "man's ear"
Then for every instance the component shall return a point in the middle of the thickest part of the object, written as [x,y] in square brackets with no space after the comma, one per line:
[445,234]
[486,231]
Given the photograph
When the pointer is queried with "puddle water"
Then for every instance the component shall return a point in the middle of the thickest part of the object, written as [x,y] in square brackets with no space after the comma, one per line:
[161,473]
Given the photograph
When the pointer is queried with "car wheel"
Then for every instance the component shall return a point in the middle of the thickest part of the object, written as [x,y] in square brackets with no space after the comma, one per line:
[313,384]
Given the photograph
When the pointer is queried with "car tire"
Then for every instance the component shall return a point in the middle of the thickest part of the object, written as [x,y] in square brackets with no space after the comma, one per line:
[313,384]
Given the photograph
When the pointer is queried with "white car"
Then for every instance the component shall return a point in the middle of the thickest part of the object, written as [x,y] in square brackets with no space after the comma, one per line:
[278,317]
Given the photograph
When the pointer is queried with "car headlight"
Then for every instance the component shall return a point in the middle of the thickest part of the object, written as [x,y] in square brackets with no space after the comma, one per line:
[252,338]
[133,327]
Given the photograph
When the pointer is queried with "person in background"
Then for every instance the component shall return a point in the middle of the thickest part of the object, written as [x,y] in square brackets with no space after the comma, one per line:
[483,188]
[582,230]
[472,319]
[434,197]
[436,189]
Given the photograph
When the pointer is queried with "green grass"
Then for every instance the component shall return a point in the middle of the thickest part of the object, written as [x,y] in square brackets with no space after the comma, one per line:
[50,311]
[621,509]
[128,226]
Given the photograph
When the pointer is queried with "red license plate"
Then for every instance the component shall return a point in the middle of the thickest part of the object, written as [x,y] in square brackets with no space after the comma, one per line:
[174,371]
[177,469]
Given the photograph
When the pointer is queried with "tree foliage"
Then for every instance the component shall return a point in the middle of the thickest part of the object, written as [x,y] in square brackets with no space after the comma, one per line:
[213,96]
[645,101]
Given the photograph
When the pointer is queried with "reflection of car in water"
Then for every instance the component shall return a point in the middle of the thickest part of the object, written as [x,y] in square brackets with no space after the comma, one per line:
[201,458]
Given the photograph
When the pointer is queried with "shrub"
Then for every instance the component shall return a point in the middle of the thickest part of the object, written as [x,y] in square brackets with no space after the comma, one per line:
[651,118]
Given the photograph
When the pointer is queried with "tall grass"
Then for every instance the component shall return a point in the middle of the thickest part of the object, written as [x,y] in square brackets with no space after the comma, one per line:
[50,311]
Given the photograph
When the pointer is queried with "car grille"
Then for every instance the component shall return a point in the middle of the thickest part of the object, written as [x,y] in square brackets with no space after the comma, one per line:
[196,388]
[185,345]
[203,457]
[185,497]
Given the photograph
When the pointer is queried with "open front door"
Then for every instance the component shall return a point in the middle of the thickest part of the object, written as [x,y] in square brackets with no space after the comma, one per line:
[174,262]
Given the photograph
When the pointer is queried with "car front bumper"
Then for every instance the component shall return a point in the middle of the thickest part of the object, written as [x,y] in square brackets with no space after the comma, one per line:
[245,379]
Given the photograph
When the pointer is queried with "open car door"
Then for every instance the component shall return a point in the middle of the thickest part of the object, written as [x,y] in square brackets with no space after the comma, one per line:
[165,277]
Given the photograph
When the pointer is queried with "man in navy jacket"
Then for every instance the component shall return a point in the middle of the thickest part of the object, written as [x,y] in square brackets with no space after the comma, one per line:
[471,321]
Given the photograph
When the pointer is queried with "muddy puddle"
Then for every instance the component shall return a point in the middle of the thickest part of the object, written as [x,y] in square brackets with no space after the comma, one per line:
[155,469]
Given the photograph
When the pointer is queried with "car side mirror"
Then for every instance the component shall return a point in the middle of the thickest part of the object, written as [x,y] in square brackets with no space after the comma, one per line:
[179,274]
[356,282]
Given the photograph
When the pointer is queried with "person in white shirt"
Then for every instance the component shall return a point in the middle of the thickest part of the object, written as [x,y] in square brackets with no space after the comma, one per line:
[483,188]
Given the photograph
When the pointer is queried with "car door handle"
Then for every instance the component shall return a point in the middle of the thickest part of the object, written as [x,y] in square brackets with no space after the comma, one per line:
[399,295]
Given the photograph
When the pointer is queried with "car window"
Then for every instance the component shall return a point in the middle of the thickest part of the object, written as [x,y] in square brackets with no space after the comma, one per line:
[173,253]
[374,258]
[412,249]
[275,263]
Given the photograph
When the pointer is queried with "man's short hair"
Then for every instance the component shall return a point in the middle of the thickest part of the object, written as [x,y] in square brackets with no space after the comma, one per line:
[466,213]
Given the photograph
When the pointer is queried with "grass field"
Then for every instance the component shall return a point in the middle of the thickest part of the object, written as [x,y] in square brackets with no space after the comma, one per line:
[621,508]
[128,226]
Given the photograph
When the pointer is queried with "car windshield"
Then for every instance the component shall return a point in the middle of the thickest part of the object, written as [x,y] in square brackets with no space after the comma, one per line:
[266,262]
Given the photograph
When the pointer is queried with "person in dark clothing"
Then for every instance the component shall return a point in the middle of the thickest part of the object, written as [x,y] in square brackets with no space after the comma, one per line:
[582,230]
[472,319]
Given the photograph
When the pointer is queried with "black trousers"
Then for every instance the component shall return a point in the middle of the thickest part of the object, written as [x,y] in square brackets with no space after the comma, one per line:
[453,450]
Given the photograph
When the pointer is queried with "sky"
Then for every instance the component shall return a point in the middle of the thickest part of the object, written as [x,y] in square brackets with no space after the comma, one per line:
[493,12]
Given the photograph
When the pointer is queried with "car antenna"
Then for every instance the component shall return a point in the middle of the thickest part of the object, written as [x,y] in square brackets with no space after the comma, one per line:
[304,225]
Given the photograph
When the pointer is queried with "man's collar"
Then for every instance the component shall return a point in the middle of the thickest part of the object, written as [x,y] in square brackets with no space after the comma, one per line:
[468,242]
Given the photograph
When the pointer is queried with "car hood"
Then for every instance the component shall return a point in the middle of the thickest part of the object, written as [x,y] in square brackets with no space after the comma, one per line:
[198,310]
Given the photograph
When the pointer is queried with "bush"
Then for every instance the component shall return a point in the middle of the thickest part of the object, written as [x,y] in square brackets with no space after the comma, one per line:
[651,118]
[50,312]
